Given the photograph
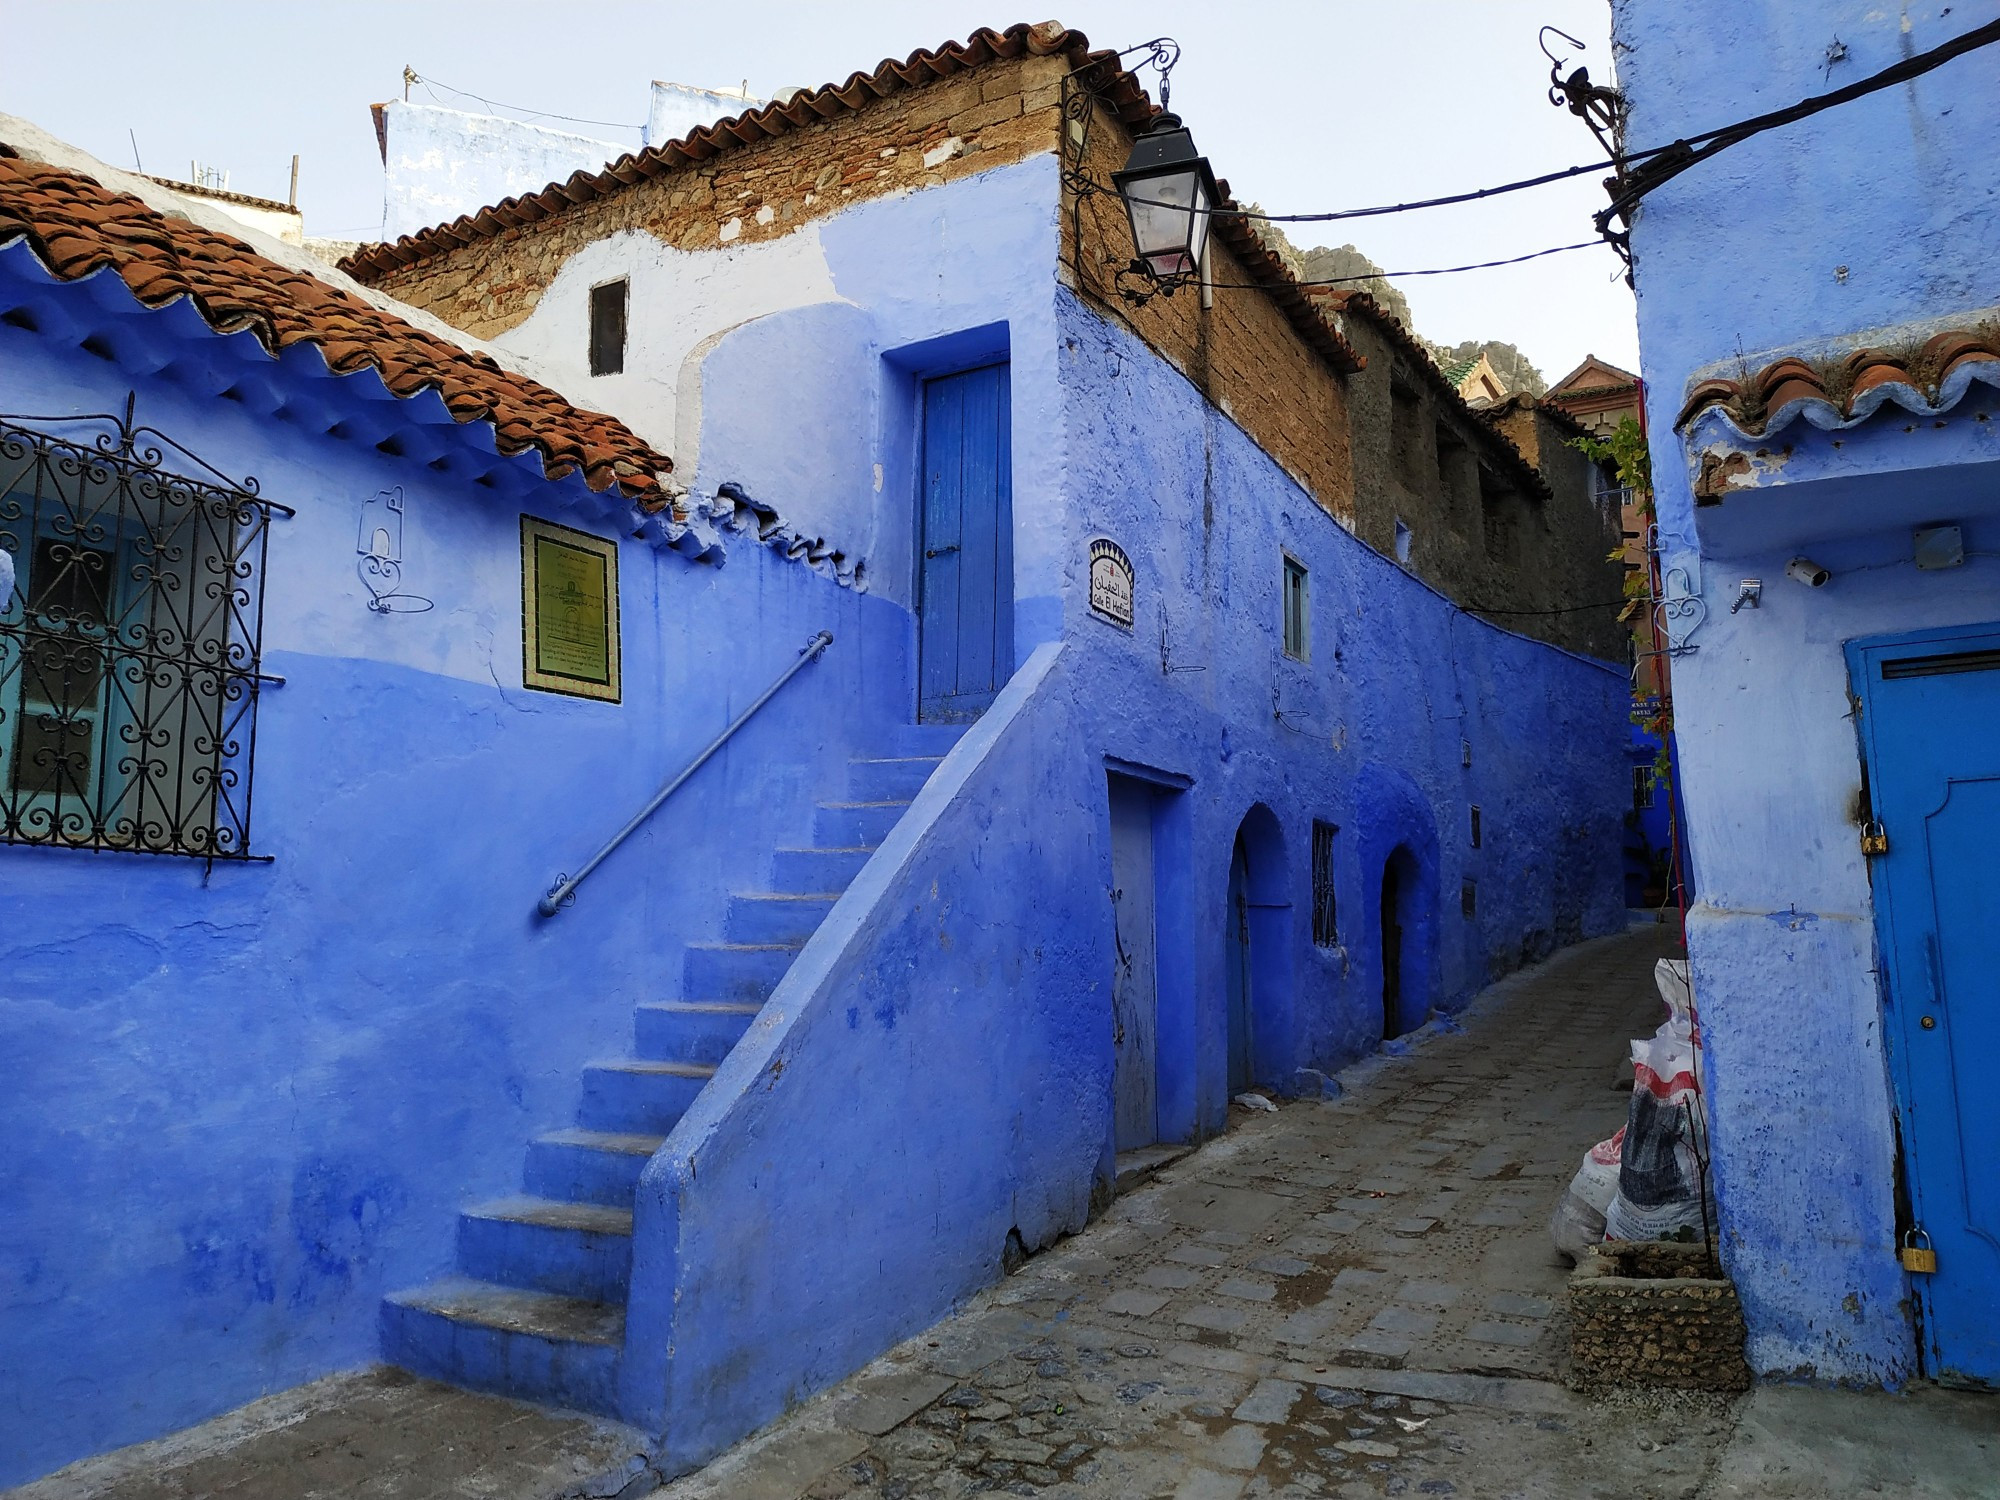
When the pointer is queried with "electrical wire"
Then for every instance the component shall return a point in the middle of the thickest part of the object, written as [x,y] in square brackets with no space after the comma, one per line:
[519,109]
[1699,146]
[1566,609]
[1482,265]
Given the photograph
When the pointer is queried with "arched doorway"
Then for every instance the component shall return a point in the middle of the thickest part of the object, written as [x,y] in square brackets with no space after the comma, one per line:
[1257,954]
[1405,1002]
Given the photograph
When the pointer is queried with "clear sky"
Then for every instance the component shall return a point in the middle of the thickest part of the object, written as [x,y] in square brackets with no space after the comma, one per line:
[1303,105]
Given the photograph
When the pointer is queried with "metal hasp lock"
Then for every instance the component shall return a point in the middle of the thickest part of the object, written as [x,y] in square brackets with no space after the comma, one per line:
[1874,839]
[1918,1260]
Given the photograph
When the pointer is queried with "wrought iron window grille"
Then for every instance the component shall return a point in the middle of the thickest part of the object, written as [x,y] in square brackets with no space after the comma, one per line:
[1325,923]
[130,651]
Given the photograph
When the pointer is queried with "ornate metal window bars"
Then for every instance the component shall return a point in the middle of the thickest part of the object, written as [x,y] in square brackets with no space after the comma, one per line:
[129,651]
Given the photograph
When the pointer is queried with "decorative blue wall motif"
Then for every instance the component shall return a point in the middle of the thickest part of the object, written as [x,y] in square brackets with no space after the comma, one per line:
[1871,224]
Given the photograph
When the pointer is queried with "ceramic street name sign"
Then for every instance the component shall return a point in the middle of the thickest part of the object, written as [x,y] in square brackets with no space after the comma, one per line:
[1111,582]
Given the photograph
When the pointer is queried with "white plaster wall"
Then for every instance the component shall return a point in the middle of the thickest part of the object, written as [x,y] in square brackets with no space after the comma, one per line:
[280,223]
[680,305]
[440,163]
[678,109]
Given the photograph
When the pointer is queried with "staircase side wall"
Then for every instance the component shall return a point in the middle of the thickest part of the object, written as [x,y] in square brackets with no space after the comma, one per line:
[926,1081]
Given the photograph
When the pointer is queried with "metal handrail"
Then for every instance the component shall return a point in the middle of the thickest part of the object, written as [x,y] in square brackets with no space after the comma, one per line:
[564,890]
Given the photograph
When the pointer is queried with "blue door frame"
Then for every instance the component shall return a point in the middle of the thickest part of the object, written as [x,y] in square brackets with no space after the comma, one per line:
[1929,725]
[965,544]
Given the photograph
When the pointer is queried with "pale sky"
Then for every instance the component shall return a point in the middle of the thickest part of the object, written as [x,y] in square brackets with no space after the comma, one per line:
[1302,106]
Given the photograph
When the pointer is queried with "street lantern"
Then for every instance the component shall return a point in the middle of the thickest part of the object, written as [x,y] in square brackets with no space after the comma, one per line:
[1169,193]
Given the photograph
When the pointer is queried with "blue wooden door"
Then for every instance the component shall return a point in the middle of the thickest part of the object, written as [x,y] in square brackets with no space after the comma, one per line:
[1930,722]
[965,579]
[1134,980]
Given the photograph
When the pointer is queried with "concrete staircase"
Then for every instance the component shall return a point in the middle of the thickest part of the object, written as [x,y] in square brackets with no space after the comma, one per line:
[536,1306]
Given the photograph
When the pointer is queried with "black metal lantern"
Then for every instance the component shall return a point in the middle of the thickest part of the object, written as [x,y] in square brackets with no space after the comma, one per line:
[1169,193]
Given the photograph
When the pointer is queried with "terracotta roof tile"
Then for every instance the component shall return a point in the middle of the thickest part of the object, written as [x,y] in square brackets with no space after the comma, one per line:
[77,227]
[1927,377]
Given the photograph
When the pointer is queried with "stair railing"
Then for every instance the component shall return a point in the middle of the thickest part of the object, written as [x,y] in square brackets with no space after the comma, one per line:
[563,892]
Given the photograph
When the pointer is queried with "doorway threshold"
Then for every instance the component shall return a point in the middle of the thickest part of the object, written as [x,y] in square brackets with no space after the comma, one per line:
[1139,1166]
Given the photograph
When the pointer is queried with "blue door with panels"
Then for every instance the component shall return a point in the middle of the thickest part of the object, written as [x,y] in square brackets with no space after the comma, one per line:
[965,576]
[1930,732]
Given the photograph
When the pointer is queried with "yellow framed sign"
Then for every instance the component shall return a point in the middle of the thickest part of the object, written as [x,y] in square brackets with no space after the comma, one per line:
[569,611]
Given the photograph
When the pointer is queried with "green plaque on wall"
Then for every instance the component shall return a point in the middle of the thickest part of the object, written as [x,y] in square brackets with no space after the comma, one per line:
[569,611]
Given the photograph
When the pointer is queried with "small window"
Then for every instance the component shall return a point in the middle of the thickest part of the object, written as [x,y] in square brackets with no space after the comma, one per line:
[1642,786]
[1297,611]
[1475,827]
[1406,431]
[1468,899]
[607,328]
[1325,932]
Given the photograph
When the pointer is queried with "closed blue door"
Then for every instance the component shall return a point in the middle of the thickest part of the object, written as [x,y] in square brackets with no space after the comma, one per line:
[965,578]
[1930,719]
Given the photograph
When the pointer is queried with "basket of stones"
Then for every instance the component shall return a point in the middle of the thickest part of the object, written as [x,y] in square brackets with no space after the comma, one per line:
[1657,1314]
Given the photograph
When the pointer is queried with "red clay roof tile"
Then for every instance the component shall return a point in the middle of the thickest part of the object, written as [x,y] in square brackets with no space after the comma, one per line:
[1844,389]
[76,226]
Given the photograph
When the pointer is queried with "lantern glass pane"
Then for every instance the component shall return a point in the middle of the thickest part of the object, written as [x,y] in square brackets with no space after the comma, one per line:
[1169,219]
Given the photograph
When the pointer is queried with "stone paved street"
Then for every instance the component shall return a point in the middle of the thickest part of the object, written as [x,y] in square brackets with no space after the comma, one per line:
[1352,1298]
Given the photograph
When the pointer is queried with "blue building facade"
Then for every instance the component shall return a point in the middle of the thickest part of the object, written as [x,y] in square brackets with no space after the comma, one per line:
[1818,325]
[1205,793]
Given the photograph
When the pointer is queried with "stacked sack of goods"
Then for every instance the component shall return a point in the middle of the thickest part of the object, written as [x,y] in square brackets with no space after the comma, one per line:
[1650,1180]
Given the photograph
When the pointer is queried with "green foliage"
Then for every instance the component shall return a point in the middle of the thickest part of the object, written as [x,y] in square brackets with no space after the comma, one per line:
[1625,450]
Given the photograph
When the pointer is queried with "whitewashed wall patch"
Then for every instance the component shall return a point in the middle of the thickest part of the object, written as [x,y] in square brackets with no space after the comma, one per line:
[1111,582]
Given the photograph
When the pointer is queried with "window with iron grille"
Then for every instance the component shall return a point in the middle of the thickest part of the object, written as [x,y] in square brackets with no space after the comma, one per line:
[129,650]
[1642,787]
[1297,611]
[1326,934]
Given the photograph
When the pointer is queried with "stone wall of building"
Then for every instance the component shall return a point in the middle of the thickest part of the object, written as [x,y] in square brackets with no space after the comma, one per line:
[917,137]
[1470,524]
[1240,350]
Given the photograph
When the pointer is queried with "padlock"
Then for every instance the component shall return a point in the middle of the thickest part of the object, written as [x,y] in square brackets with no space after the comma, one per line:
[1874,839]
[1919,1260]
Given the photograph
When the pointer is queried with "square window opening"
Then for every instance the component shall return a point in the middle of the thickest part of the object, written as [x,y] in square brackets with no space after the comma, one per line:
[607,327]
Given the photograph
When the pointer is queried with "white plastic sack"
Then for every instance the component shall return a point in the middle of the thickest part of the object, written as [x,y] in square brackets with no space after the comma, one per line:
[1578,1222]
[1660,1180]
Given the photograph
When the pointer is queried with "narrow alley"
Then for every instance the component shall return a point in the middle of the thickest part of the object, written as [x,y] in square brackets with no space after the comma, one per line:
[1354,1297]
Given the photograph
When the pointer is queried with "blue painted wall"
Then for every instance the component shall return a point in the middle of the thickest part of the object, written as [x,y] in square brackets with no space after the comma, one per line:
[277,1089]
[937,1068]
[242,1104]
[1840,231]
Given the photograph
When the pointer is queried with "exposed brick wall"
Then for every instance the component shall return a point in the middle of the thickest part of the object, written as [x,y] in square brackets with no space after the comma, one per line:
[1476,535]
[999,113]
[1242,353]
